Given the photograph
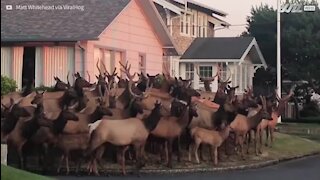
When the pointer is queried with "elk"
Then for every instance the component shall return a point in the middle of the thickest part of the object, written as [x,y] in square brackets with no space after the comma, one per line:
[54,101]
[81,126]
[125,132]
[242,124]
[210,137]
[206,80]
[171,127]
[276,113]
[11,114]
[60,85]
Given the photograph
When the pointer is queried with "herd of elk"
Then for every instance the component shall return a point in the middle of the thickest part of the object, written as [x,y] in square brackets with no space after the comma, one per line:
[133,113]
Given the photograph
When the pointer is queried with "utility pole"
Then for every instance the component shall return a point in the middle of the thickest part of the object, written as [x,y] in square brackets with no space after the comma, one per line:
[278,52]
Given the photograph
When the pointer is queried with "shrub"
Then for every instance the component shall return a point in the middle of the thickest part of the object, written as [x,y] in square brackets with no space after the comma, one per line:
[7,85]
[44,88]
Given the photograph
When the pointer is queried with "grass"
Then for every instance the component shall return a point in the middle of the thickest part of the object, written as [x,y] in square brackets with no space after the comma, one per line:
[305,130]
[289,145]
[285,146]
[11,173]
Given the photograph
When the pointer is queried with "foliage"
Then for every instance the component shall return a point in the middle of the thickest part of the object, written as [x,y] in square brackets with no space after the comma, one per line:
[44,88]
[300,38]
[7,85]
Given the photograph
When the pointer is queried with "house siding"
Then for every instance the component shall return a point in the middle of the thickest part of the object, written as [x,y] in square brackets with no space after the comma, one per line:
[130,33]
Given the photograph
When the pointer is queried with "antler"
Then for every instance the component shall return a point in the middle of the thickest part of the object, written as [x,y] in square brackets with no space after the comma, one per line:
[167,71]
[205,78]
[98,66]
[68,78]
[105,69]
[291,93]
[88,75]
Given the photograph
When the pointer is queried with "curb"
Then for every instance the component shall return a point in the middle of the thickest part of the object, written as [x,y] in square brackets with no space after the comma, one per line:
[117,172]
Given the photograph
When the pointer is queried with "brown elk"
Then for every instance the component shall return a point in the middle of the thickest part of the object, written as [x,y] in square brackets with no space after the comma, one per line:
[211,137]
[207,80]
[243,124]
[276,113]
[171,127]
[81,126]
[60,85]
[125,132]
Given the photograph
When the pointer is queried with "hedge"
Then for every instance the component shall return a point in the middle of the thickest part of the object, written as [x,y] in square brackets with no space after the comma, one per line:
[7,85]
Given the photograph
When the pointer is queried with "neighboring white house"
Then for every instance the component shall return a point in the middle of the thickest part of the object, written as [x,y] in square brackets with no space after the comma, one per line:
[187,20]
[241,55]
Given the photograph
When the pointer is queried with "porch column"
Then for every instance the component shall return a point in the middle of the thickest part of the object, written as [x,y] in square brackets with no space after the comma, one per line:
[196,78]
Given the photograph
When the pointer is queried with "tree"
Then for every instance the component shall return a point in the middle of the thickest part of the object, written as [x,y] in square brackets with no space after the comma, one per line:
[300,44]
[300,37]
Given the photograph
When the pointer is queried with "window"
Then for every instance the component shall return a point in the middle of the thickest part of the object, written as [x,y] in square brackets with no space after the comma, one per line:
[194,25]
[181,24]
[199,25]
[142,63]
[205,71]
[185,24]
[204,26]
[110,58]
[188,26]
[189,71]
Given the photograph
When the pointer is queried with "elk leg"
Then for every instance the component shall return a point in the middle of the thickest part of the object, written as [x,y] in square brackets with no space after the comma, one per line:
[272,136]
[256,133]
[248,141]
[67,162]
[215,150]
[196,147]
[166,151]
[123,159]
[267,136]
[169,147]
[179,153]
[60,163]
[143,154]
[191,146]
[96,172]
[260,140]
[201,150]
[241,141]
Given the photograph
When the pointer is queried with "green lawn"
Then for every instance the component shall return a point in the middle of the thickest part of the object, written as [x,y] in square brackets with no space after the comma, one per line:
[289,145]
[11,173]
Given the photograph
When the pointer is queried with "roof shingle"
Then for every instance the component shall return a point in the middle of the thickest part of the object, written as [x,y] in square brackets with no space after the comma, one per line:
[58,25]
[217,48]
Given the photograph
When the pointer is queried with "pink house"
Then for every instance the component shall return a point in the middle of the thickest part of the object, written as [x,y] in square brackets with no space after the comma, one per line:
[42,39]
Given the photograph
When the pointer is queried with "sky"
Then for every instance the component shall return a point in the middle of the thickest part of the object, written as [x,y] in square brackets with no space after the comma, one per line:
[237,10]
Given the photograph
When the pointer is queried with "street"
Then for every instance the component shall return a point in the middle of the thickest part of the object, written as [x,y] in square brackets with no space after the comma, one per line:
[305,168]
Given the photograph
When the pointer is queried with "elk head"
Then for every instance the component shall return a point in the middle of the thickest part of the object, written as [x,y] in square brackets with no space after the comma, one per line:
[264,110]
[126,70]
[206,80]
[60,85]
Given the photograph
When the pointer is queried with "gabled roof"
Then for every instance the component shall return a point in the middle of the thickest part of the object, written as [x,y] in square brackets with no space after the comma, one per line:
[223,49]
[58,25]
[73,25]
